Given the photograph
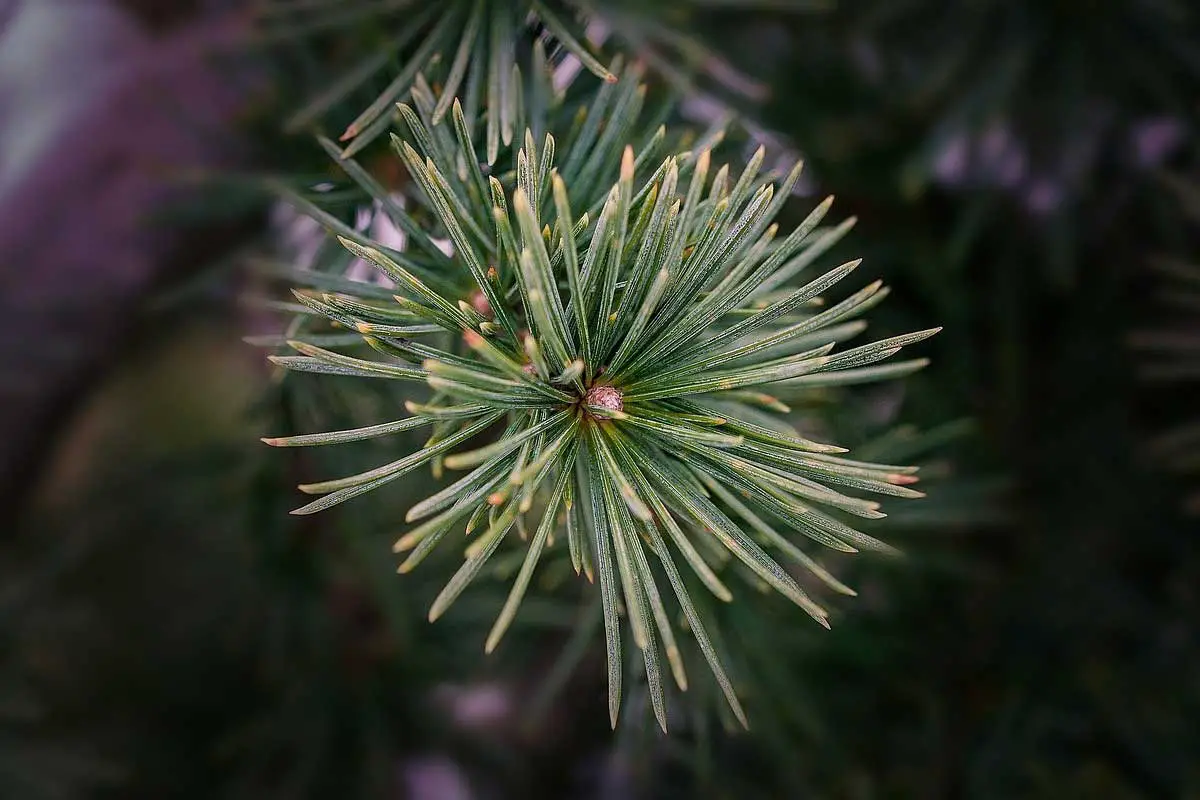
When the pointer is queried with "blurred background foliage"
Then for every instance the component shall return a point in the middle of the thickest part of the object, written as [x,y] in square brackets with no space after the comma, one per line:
[1023,173]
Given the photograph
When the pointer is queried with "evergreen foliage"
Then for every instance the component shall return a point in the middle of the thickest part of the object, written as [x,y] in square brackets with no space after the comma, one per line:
[483,53]
[626,360]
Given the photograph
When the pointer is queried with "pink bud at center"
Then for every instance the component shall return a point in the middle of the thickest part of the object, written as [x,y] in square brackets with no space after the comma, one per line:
[605,397]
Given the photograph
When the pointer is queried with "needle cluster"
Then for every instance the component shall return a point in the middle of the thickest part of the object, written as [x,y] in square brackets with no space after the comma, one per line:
[608,377]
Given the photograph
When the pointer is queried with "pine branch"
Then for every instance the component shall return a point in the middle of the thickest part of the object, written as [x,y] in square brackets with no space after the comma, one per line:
[617,347]
[498,57]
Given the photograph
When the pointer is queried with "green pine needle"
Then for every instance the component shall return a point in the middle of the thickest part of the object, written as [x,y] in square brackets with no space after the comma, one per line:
[494,55]
[599,353]
[469,48]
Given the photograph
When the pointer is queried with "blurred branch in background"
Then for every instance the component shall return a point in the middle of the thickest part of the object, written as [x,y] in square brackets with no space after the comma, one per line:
[1169,347]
